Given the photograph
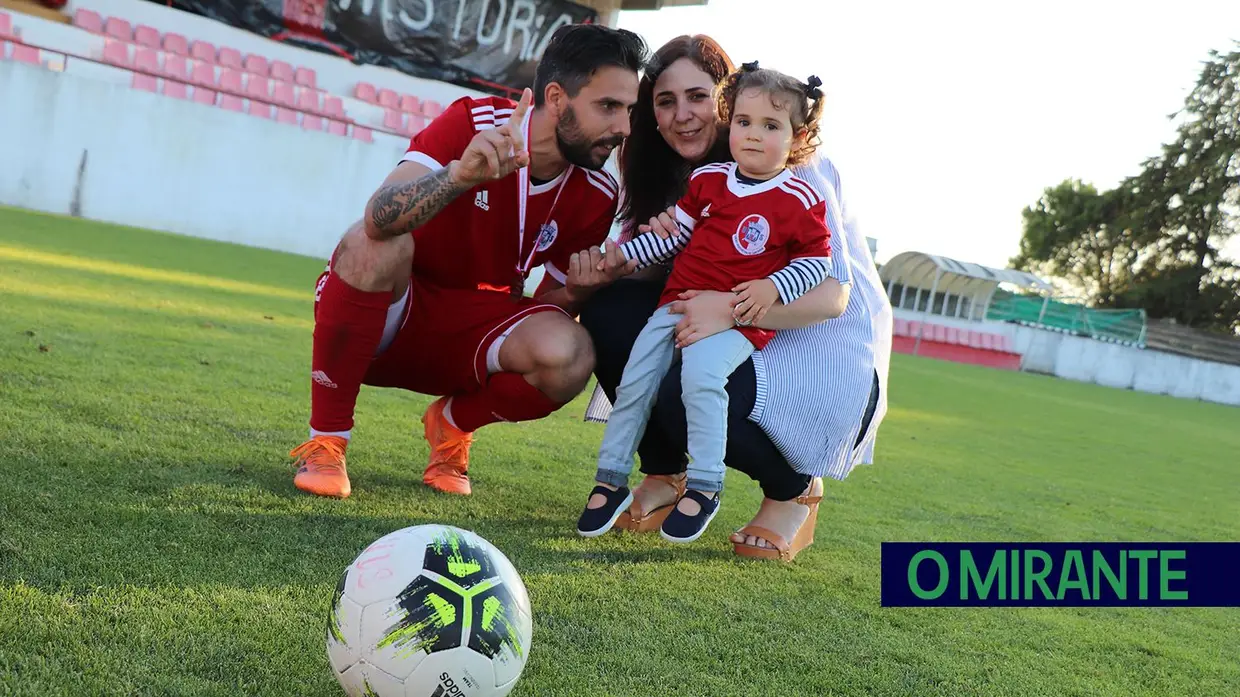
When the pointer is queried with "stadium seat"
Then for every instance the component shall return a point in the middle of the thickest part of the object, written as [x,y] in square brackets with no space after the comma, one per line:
[365,92]
[27,54]
[410,104]
[230,81]
[913,327]
[282,93]
[285,116]
[256,65]
[899,327]
[118,28]
[938,333]
[258,87]
[6,26]
[1004,343]
[259,109]
[116,53]
[432,109]
[988,342]
[332,106]
[204,74]
[392,121]
[146,36]
[964,338]
[975,339]
[175,66]
[146,59]
[231,102]
[308,101]
[174,89]
[230,58]
[362,134]
[203,51]
[144,82]
[388,99]
[175,43]
[281,71]
[305,77]
[337,128]
[88,20]
[953,335]
[414,124]
[311,123]
[202,95]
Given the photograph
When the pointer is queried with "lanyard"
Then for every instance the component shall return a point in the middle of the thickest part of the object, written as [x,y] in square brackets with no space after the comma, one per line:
[523,194]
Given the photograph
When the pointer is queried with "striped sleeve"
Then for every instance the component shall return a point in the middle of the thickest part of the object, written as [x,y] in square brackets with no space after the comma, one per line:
[650,249]
[822,175]
[799,277]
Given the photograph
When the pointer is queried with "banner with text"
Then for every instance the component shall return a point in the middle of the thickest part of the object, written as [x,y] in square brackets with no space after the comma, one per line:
[459,41]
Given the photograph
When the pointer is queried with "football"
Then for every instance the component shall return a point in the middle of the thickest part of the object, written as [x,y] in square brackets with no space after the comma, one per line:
[429,611]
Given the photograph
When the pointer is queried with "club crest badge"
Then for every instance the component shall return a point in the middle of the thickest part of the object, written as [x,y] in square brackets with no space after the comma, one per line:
[546,236]
[751,235]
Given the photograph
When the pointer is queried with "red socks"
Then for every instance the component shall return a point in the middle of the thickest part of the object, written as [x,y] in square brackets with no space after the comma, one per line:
[506,397]
[348,325]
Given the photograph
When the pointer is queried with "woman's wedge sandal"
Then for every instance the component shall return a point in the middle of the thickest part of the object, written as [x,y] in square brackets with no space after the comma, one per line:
[596,521]
[782,550]
[653,519]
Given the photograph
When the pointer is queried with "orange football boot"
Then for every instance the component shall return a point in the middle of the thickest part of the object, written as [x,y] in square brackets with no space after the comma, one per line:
[321,469]
[449,452]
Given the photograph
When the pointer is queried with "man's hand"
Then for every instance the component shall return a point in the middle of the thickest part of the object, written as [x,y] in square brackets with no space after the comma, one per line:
[496,152]
[753,299]
[591,269]
[664,224]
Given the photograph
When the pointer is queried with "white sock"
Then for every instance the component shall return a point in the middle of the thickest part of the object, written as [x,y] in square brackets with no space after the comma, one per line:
[342,434]
[447,414]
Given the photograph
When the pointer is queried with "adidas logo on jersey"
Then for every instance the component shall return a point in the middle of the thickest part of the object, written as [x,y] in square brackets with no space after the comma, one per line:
[480,200]
[321,378]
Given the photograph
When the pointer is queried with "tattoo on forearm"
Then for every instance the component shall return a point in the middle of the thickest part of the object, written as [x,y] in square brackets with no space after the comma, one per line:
[400,208]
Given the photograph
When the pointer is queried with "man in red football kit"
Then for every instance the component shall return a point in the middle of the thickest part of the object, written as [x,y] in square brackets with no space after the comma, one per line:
[425,293]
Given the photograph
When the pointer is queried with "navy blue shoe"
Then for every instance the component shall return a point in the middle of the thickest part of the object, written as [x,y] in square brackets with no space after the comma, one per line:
[686,528]
[596,521]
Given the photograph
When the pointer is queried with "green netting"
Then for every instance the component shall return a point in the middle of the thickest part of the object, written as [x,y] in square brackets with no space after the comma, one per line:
[1127,326]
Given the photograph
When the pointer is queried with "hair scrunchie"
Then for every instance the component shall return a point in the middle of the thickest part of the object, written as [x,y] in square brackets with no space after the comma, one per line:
[811,88]
[749,67]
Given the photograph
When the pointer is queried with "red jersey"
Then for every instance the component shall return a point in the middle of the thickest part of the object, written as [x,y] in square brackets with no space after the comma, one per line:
[476,241]
[732,232]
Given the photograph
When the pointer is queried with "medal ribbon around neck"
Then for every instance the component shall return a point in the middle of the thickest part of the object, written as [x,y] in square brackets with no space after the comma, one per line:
[523,195]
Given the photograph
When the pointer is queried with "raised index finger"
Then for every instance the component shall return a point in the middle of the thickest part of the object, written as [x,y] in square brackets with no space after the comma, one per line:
[518,118]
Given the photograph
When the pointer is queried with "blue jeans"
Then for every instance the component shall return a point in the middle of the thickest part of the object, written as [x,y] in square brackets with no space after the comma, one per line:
[705,367]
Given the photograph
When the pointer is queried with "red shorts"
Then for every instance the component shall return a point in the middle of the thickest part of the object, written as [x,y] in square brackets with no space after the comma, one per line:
[441,347]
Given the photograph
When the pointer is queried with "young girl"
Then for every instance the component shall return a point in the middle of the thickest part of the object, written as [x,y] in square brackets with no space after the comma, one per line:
[747,227]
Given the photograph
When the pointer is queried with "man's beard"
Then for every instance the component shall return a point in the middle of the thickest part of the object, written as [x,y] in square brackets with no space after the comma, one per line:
[574,145]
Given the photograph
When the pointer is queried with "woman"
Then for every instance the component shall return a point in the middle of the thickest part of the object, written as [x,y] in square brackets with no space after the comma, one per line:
[788,424]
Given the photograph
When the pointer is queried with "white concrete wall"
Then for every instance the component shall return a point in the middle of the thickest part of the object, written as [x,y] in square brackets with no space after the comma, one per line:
[165,164]
[1111,365]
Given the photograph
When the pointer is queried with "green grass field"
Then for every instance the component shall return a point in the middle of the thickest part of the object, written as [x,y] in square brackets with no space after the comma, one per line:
[151,541]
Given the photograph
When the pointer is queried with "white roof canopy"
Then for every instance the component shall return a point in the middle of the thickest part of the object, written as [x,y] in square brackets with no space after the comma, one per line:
[921,270]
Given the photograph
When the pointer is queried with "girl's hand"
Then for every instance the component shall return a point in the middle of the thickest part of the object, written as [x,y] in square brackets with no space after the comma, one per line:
[705,313]
[753,299]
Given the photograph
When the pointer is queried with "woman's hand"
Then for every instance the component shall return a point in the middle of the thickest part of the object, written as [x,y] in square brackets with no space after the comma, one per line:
[705,313]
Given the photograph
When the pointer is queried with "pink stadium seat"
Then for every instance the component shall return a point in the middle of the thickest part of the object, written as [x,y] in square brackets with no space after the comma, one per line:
[116,53]
[988,342]
[332,106]
[415,124]
[88,20]
[256,64]
[6,26]
[146,59]
[282,93]
[258,87]
[27,54]
[975,339]
[263,111]
[286,116]
[365,92]
[304,77]
[410,104]
[388,99]
[230,81]
[337,128]
[204,74]
[118,28]
[146,36]
[281,71]
[311,123]
[953,335]
[432,109]
[203,51]
[175,43]
[938,333]
[913,327]
[899,327]
[202,95]
[963,338]
[308,101]
[176,66]
[392,121]
[174,89]
[230,58]
[1003,343]
[146,83]
[231,102]
[362,134]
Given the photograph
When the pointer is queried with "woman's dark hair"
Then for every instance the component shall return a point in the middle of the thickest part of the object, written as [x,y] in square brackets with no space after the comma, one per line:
[655,176]
[802,100]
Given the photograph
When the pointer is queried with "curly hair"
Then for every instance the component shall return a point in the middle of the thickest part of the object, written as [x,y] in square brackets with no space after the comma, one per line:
[802,100]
